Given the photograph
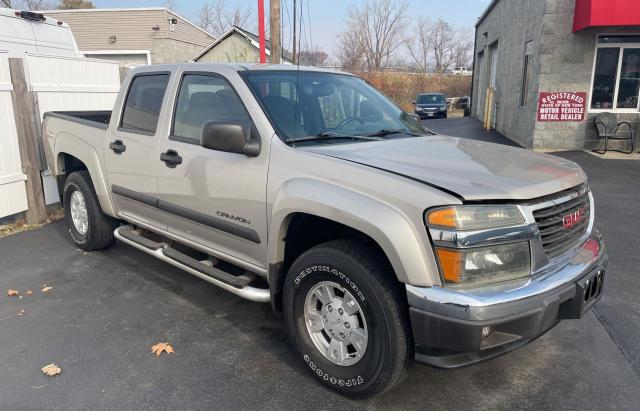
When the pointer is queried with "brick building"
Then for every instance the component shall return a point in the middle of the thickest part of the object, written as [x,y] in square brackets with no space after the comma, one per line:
[554,65]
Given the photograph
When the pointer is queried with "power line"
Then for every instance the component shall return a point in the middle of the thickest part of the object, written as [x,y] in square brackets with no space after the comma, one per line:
[310,31]
[286,8]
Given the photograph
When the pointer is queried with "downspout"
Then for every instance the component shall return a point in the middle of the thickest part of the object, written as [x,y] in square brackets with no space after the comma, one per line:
[473,73]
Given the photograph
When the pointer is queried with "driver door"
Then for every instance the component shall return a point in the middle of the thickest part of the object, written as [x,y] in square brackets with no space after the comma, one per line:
[214,198]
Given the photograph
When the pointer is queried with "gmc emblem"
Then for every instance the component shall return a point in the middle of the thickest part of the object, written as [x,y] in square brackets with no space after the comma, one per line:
[572,219]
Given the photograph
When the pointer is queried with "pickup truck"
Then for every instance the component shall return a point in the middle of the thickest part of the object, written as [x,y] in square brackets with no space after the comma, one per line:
[380,243]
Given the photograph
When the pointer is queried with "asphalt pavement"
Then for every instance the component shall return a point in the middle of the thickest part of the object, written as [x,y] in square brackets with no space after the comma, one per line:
[108,308]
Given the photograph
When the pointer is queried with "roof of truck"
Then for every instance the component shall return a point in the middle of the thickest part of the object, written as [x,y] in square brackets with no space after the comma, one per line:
[197,66]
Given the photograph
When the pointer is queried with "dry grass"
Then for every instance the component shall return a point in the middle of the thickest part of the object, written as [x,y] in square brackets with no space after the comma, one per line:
[19,225]
[403,88]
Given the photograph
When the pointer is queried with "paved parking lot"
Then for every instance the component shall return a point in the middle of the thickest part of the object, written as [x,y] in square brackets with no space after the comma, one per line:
[108,308]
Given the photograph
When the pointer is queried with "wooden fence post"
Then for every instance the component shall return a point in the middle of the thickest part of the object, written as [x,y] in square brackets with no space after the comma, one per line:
[27,126]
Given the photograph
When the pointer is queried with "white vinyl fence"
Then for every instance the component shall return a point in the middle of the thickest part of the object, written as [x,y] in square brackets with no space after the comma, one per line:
[70,84]
[13,196]
[57,84]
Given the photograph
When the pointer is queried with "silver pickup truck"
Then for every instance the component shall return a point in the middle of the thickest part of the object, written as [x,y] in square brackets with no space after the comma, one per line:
[379,242]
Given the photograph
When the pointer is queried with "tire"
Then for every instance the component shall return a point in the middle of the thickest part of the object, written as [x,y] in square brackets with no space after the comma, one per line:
[383,312]
[97,233]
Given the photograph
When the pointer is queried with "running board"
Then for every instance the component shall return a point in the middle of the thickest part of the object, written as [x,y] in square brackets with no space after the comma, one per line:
[237,285]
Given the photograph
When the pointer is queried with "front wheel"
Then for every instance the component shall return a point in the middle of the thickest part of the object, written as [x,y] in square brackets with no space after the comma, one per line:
[347,318]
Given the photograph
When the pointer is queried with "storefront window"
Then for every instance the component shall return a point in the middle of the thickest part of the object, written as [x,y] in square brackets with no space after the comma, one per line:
[629,79]
[616,80]
[604,80]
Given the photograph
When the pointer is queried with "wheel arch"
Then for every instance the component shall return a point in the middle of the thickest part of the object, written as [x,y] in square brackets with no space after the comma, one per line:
[79,155]
[308,213]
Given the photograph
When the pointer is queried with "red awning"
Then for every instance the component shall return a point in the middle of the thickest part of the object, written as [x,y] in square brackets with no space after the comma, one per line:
[606,13]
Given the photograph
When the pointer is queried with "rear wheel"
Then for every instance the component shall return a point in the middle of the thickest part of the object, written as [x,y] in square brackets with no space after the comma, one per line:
[347,318]
[90,229]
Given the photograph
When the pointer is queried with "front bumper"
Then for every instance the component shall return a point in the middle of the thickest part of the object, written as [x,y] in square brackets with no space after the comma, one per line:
[448,324]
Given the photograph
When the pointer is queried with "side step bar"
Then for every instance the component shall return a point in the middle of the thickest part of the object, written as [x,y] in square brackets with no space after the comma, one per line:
[237,285]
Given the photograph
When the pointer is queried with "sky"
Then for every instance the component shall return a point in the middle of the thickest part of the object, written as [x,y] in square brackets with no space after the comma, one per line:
[327,17]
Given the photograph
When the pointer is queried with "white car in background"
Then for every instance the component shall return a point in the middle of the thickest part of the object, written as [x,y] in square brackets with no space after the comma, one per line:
[462,71]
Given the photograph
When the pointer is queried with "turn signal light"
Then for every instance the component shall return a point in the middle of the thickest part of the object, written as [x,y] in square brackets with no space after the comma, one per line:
[450,264]
[443,217]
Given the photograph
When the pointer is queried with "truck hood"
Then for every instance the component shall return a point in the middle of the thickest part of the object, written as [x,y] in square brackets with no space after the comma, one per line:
[471,170]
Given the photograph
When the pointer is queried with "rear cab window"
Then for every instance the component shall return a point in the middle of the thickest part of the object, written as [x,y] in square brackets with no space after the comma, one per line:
[143,103]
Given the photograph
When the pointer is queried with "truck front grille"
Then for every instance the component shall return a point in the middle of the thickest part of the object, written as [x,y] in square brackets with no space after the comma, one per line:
[563,224]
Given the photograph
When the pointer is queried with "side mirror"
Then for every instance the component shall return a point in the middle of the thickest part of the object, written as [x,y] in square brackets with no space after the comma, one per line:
[230,137]
[413,102]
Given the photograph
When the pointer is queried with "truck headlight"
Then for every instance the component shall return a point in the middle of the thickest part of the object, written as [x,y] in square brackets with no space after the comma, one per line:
[483,265]
[460,234]
[472,217]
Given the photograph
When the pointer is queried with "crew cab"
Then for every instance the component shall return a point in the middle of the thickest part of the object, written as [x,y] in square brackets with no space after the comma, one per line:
[379,242]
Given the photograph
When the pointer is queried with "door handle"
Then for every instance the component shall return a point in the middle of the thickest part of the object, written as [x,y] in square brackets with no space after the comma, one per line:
[171,158]
[118,147]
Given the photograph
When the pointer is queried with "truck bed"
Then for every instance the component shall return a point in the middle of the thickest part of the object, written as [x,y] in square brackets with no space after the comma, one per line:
[96,118]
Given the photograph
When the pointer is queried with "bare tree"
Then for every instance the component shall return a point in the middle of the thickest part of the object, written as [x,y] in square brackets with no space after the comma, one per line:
[217,17]
[449,46]
[464,50]
[419,45]
[37,4]
[6,3]
[349,51]
[376,28]
[75,4]
[314,57]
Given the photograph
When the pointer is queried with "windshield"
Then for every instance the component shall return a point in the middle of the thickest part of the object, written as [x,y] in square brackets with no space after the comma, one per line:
[306,104]
[431,99]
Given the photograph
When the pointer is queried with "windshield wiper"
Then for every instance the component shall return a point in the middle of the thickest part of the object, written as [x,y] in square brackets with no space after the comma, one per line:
[388,131]
[328,135]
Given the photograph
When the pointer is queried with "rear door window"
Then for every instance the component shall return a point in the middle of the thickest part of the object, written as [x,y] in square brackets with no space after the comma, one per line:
[143,103]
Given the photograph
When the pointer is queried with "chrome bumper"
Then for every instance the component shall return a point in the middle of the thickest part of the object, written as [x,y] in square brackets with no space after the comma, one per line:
[521,310]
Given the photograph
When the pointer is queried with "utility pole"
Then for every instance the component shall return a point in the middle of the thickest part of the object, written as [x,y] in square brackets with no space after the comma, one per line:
[295,57]
[263,53]
[275,31]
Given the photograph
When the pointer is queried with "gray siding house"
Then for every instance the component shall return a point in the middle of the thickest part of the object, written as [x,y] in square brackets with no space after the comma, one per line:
[236,45]
[134,36]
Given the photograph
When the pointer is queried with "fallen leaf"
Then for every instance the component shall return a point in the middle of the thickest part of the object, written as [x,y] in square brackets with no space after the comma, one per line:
[159,347]
[11,293]
[47,289]
[51,370]
[29,292]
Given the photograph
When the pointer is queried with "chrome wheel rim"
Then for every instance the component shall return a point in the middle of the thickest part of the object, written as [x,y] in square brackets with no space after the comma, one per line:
[78,209]
[336,323]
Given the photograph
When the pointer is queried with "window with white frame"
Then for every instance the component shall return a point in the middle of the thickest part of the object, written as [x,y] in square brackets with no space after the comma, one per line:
[616,77]
[526,72]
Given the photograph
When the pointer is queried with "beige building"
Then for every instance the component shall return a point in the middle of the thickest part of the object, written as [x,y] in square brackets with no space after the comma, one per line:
[134,36]
[236,45]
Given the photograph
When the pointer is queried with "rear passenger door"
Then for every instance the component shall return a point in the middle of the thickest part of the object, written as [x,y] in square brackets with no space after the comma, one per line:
[214,198]
[131,155]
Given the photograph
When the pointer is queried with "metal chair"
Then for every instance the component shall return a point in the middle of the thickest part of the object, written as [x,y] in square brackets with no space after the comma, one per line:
[608,128]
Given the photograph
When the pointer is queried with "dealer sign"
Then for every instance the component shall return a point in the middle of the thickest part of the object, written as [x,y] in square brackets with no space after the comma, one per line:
[562,106]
